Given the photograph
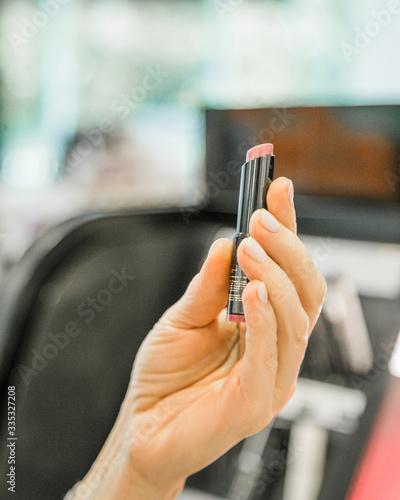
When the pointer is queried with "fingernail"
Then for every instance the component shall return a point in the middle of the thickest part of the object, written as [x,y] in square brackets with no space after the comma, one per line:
[290,192]
[269,222]
[262,293]
[254,250]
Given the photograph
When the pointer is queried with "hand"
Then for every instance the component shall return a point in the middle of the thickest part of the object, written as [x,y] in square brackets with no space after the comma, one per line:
[200,384]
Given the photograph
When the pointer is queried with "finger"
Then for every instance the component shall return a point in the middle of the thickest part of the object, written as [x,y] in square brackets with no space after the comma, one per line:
[260,359]
[292,320]
[207,293]
[280,202]
[286,249]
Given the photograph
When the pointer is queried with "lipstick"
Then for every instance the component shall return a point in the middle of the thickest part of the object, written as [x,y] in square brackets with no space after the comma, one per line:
[257,175]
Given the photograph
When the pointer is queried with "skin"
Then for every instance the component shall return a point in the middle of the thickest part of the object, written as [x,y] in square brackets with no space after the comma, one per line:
[201,384]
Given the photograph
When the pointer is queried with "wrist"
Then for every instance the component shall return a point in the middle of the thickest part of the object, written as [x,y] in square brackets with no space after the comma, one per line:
[123,485]
[136,488]
[113,476]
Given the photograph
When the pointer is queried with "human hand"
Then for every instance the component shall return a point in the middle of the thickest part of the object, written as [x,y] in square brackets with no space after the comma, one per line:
[200,384]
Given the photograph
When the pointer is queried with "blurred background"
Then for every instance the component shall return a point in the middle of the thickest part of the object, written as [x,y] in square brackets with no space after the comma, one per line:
[108,106]
[101,102]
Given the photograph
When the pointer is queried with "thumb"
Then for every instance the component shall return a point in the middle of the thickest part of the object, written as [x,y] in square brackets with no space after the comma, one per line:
[207,293]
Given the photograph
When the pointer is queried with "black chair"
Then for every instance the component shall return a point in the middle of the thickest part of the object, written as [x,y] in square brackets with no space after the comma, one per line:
[73,314]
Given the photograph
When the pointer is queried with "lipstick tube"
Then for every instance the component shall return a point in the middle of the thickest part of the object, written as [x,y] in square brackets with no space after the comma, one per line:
[257,175]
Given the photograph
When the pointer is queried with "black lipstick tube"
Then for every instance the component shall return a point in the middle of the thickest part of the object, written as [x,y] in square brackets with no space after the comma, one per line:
[257,175]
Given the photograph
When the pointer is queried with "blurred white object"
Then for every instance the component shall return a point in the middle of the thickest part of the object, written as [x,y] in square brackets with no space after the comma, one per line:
[29,167]
[394,362]
[306,461]
[249,465]
[192,494]
[343,309]
[328,406]
[373,267]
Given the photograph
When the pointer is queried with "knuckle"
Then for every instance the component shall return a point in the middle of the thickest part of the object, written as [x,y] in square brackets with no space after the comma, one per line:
[295,248]
[305,266]
[256,319]
[270,361]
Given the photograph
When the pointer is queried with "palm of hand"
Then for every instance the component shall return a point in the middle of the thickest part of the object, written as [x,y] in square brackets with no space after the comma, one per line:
[179,388]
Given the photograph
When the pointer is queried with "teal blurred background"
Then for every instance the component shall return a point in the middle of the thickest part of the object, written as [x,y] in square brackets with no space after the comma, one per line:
[101,101]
